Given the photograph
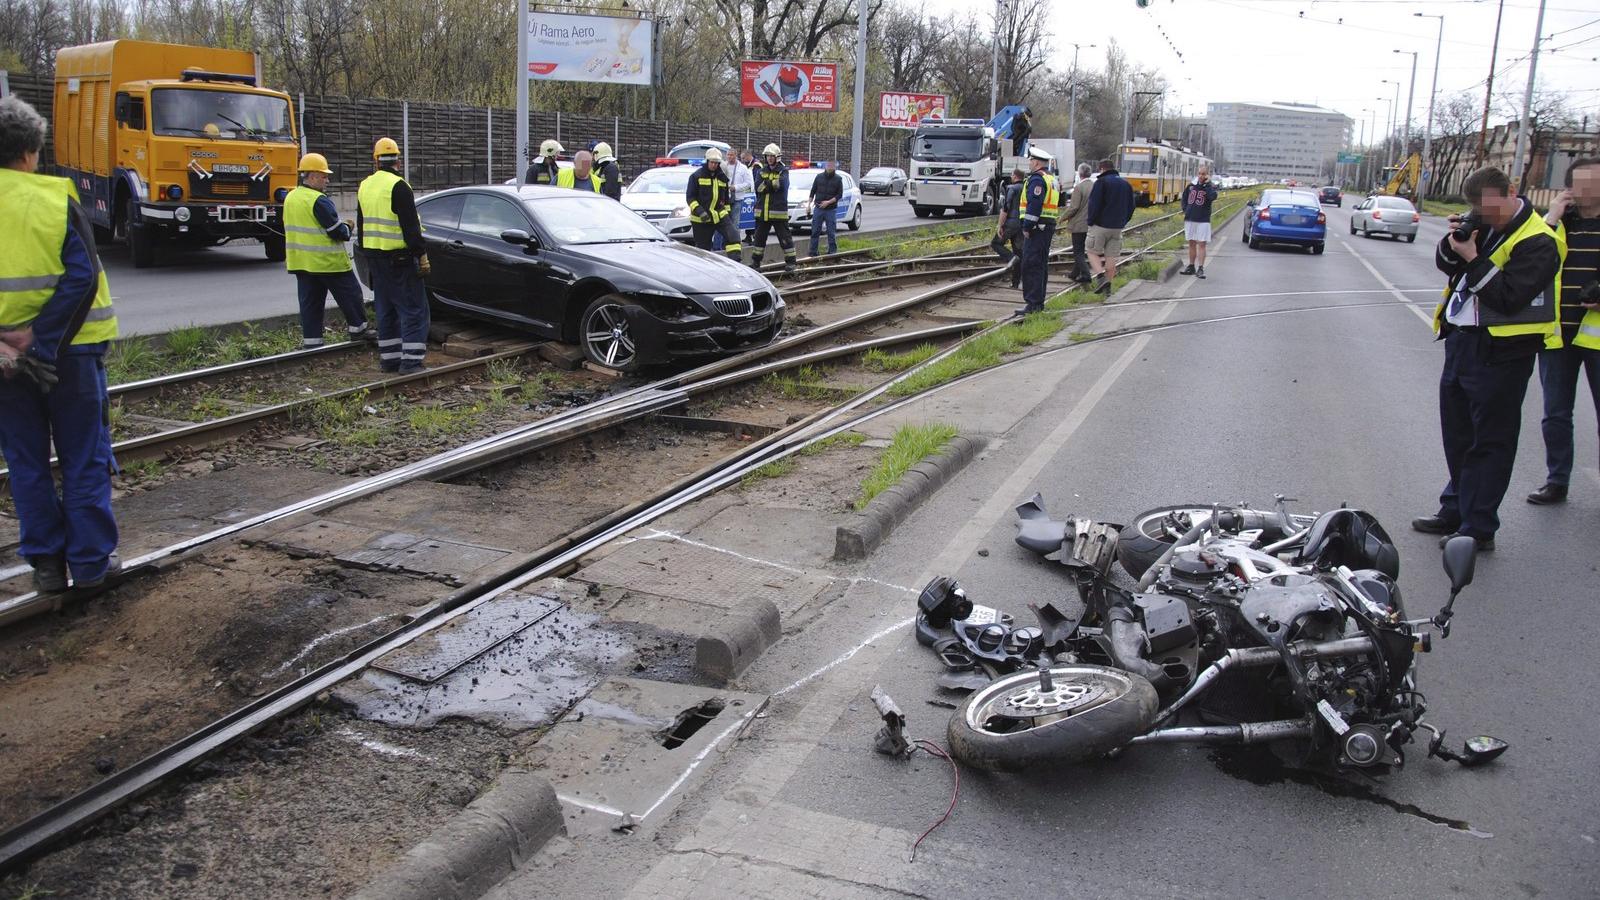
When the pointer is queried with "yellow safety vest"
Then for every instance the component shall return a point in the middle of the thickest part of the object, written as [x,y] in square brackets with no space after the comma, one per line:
[306,245]
[568,178]
[1052,198]
[33,217]
[380,226]
[1588,335]
[1535,225]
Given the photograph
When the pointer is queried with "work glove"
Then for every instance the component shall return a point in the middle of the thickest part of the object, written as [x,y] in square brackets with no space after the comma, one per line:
[424,268]
[41,373]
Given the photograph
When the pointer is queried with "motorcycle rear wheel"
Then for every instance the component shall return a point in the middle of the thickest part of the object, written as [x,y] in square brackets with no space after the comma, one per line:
[1012,724]
[1150,534]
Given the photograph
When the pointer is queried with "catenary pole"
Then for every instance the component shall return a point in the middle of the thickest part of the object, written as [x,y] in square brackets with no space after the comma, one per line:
[1488,88]
[1517,164]
[861,90]
[520,162]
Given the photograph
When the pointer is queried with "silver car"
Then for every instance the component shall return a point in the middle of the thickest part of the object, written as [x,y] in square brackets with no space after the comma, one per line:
[884,180]
[1394,216]
[657,195]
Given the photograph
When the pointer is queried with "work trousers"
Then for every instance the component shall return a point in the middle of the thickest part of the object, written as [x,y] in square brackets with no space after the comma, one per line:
[1558,376]
[1080,261]
[314,290]
[1008,246]
[75,521]
[706,233]
[401,302]
[1036,265]
[778,227]
[1480,416]
[825,220]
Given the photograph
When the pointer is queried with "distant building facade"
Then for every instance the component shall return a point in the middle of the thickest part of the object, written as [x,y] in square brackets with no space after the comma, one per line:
[1274,141]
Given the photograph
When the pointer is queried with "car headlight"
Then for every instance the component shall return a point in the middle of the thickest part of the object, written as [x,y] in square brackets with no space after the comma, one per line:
[670,305]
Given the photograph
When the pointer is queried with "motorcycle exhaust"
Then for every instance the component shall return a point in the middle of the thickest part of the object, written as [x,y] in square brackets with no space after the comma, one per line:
[1243,733]
[1266,656]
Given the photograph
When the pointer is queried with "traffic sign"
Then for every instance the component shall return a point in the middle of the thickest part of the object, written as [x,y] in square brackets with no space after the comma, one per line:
[1349,158]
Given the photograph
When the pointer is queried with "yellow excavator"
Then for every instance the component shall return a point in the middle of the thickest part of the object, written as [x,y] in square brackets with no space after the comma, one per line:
[1405,179]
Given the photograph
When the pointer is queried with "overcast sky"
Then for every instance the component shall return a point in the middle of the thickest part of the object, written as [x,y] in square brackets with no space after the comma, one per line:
[1335,53]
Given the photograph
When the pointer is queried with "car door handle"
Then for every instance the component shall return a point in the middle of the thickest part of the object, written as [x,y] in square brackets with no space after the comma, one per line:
[457,242]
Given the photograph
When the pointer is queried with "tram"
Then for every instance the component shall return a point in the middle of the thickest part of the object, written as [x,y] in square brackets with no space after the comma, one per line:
[1158,171]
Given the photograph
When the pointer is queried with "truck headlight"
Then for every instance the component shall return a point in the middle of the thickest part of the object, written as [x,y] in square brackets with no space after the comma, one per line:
[281,194]
[181,214]
[174,192]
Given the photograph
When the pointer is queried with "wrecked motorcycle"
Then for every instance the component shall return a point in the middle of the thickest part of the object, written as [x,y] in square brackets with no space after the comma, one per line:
[1245,626]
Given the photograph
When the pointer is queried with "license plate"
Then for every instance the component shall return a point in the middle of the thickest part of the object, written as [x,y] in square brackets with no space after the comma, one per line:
[230,169]
[1294,220]
[242,214]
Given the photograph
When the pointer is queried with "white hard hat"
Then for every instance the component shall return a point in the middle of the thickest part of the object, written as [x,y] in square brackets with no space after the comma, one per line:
[713,155]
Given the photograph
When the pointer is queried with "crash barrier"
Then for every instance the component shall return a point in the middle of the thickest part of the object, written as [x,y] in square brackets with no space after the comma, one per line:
[452,144]
[869,528]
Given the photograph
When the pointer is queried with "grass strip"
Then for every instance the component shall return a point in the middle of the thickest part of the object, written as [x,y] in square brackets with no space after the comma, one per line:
[186,349]
[911,444]
[986,350]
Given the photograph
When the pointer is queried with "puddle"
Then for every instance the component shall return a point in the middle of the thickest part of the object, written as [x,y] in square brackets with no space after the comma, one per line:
[527,681]
[1259,765]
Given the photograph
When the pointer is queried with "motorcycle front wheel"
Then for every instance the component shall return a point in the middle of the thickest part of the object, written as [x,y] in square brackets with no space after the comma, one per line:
[1018,722]
[1152,532]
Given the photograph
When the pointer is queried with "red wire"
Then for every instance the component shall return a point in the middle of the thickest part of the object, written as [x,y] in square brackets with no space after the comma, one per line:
[955,794]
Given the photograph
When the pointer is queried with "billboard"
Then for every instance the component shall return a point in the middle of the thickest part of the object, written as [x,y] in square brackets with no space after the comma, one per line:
[905,109]
[786,84]
[603,49]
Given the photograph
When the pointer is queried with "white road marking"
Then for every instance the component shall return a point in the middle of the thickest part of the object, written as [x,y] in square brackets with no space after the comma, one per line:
[656,534]
[1388,285]
[1390,291]
[596,807]
[845,656]
[326,637]
[386,749]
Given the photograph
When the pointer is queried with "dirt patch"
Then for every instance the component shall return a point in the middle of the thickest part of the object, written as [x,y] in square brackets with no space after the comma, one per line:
[84,695]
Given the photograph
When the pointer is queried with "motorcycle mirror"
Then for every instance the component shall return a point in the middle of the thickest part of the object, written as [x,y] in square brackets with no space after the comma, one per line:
[1460,558]
[1480,750]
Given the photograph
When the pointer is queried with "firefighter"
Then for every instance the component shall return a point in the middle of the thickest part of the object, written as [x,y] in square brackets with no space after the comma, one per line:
[772,206]
[581,176]
[56,319]
[314,254]
[390,237]
[711,210]
[610,172]
[544,169]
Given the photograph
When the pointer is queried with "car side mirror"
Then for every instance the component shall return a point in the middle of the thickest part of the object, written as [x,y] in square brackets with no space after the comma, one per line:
[1250,202]
[520,238]
[1460,559]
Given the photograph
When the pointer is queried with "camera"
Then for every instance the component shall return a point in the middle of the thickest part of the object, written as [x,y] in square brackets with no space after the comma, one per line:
[1466,226]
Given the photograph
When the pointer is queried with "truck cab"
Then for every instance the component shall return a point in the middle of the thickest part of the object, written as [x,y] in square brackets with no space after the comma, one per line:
[174,146]
[956,164]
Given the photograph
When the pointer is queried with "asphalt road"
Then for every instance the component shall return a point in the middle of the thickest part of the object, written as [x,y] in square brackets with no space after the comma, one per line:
[235,283]
[1322,386]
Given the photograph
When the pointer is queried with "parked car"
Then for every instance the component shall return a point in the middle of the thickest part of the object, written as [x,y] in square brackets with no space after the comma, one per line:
[579,268]
[847,213]
[1286,217]
[692,152]
[1331,194]
[657,195]
[884,180]
[1394,216]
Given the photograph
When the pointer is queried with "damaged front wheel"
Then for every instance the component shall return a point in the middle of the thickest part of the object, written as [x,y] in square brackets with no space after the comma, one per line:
[1066,714]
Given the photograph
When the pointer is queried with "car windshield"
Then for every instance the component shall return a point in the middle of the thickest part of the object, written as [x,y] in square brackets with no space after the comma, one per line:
[1287,198]
[587,219]
[948,147]
[1136,163]
[225,115]
[880,172]
[1392,203]
[661,181]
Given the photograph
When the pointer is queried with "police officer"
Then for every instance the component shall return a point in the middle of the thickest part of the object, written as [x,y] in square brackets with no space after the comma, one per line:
[1038,227]
[610,173]
[1500,310]
[582,175]
[544,169]
[391,239]
[56,319]
[314,254]
[1007,241]
[711,212]
[772,206]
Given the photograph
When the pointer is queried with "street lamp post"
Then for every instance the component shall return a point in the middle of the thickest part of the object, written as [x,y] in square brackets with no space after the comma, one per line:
[1394,125]
[1361,144]
[1411,95]
[1389,131]
[994,64]
[1527,101]
[1072,115]
[1427,136]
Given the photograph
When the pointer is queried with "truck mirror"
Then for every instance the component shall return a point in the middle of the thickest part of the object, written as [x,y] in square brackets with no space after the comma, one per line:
[121,108]
[308,122]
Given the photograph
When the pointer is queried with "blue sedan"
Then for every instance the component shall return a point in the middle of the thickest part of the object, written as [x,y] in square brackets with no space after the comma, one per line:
[1286,217]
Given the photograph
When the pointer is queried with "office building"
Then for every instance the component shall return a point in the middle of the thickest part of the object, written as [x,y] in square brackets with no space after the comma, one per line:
[1275,141]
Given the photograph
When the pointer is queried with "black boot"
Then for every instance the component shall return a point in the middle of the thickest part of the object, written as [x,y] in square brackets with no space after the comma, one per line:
[1435,525]
[755,260]
[1549,495]
[788,263]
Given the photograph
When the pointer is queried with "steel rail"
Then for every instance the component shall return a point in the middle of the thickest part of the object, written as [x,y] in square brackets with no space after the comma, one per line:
[133,391]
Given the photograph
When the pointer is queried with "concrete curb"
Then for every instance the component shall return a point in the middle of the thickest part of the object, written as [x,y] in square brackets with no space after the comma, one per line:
[466,856]
[731,644]
[1169,270]
[866,530]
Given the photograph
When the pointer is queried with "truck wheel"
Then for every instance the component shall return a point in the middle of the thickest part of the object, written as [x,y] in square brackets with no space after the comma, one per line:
[272,245]
[141,246]
[922,211]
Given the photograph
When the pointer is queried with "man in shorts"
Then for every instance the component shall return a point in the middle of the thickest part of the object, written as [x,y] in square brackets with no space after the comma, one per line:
[1110,208]
[1197,200]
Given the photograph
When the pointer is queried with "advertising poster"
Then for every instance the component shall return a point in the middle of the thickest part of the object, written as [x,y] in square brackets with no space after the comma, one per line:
[568,47]
[785,84]
[906,109]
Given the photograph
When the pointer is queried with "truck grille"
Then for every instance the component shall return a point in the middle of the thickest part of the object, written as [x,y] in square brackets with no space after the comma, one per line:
[228,187]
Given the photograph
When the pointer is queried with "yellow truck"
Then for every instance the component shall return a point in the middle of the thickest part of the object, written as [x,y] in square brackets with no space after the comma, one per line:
[173,145]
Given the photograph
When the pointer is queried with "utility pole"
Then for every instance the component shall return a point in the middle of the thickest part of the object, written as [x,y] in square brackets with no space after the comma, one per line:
[1517,167]
[521,161]
[994,62]
[1426,176]
[1072,115]
[1411,95]
[1488,88]
[1361,143]
[1394,124]
[861,90]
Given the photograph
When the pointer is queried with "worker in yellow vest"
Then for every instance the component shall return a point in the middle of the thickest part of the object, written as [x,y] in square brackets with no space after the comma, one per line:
[56,320]
[390,237]
[314,253]
[1501,307]
[581,176]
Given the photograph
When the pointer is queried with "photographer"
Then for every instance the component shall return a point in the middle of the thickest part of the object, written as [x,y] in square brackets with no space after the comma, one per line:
[1499,312]
[1576,218]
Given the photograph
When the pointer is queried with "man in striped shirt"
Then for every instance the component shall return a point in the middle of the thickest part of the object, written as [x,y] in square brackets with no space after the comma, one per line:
[1576,215]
